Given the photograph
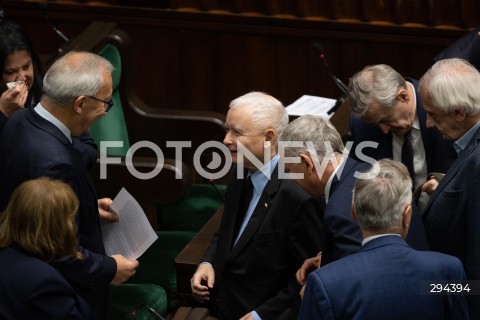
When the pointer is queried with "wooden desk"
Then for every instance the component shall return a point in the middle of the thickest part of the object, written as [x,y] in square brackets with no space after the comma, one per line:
[188,259]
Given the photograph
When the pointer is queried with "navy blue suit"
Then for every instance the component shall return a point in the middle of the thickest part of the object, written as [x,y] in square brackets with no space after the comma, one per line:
[384,281]
[32,289]
[452,216]
[467,47]
[258,273]
[439,155]
[342,236]
[32,147]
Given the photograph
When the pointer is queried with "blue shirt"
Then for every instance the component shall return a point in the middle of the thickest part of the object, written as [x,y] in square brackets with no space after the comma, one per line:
[463,141]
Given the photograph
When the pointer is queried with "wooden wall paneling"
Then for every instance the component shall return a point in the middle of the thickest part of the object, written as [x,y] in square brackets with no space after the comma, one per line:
[216,5]
[348,10]
[446,13]
[315,9]
[379,11]
[196,87]
[413,12]
[248,7]
[284,8]
[228,74]
[259,64]
[470,13]
[291,71]
[190,5]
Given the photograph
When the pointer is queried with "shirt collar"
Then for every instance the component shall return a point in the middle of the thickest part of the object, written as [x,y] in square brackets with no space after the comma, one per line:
[49,117]
[463,141]
[261,177]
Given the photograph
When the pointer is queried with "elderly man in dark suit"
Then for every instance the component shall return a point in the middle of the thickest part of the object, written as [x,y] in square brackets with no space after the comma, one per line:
[387,110]
[38,142]
[249,268]
[451,96]
[386,279]
[314,149]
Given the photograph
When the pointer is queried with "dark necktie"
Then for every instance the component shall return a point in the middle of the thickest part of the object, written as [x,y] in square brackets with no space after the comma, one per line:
[407,155]
[243,205]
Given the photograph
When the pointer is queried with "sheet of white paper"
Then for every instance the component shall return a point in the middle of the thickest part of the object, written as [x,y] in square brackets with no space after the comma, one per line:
[313,105]
[132,234]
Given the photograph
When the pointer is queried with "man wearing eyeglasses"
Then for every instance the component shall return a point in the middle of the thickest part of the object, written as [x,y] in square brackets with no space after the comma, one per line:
[38,142]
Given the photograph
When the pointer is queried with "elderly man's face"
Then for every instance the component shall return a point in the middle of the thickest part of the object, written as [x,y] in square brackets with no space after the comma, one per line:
[398,119]
[444,122]
[241,129]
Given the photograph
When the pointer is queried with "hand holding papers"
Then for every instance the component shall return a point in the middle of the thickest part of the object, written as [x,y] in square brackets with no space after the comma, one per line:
[132,234]
[313,105]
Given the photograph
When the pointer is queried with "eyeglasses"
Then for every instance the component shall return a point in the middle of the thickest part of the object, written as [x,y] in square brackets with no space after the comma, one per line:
[108,104]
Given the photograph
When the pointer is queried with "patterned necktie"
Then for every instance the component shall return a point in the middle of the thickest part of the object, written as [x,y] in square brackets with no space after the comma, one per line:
[407,155]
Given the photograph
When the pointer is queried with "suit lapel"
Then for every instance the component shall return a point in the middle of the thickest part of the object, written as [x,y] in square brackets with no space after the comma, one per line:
[452,172]
[259,213]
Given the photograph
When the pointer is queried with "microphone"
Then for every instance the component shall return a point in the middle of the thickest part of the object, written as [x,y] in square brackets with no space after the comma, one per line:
[321,55]
[44,7]
[133,315]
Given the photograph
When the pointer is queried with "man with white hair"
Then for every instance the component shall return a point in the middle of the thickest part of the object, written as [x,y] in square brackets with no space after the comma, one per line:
[451,96]
[269,225]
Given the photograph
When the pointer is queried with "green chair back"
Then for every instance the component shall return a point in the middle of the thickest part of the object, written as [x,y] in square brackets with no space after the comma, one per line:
[112,127]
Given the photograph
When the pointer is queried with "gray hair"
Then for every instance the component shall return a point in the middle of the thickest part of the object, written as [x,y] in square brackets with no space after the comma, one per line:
[268,111]
[378,83]
[75,74]
[314,129]
[380,202]
[452,84]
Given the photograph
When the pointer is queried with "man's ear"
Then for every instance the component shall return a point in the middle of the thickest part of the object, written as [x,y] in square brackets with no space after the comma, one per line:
[78,104]
[460,114]
[402,95]
[270,135]
[407,215]
[307,161]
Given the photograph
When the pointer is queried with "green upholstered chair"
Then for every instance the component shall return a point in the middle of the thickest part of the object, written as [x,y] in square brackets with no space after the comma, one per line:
[112,127]
[127,298]
[191,213]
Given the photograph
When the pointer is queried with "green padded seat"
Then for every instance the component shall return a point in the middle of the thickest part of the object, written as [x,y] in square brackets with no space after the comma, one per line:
[127,297]
[157,263]
[201,201]
[112,126]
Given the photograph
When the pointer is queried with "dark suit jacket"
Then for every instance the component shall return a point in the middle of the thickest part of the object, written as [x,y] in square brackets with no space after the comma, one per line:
[342,234]
[258,273]
[32,289]
[384,281]
[452,216]
[439,155]
[467,47]
[32,147]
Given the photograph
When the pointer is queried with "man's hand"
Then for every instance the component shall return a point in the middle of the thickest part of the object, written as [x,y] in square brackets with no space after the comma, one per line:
[125,269]
[431,185]
[248,316]
[13,99]
[308,266]
[202,281]
[106,213]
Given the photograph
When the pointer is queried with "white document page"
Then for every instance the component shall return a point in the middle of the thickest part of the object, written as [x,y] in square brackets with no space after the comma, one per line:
[132,234]
[317,106]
